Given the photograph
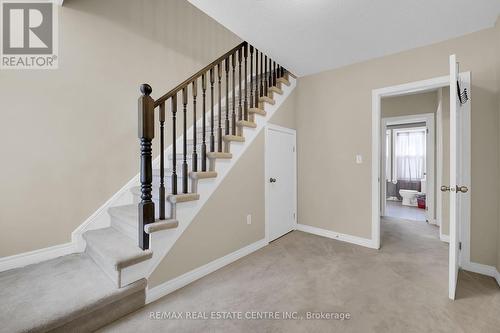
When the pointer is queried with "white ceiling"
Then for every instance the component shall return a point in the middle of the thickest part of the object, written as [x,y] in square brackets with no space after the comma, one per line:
[309,36]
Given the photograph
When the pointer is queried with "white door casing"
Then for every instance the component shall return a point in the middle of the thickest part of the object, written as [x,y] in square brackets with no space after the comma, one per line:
[280,178]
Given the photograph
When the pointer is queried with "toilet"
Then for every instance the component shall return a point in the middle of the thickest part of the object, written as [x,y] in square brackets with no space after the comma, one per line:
[409,197]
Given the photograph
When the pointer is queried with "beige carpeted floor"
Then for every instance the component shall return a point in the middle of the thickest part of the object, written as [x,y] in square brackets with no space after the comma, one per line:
[400,288]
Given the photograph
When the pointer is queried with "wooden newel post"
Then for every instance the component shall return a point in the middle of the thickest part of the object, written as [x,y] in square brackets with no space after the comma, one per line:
[146,135]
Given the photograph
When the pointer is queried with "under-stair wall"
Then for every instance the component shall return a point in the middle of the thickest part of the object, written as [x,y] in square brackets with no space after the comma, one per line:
[215,233]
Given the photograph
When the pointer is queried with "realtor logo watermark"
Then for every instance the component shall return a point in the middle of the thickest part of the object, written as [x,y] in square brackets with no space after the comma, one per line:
[29,35]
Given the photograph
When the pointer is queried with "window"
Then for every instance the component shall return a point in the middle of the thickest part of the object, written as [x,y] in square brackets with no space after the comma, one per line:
[409,153]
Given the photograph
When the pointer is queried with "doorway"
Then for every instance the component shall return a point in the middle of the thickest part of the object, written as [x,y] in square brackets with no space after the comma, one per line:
[281,181]
[407,161]
[459,85]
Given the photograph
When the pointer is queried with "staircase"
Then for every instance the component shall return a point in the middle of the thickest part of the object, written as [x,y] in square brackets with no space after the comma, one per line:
[228,102]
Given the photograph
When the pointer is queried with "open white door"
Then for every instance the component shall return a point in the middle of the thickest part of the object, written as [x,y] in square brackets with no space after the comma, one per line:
[459,165]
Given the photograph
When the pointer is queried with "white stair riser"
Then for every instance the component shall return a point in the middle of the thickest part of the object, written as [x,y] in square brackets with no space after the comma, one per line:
[135,272]
[126,229]
[113,274]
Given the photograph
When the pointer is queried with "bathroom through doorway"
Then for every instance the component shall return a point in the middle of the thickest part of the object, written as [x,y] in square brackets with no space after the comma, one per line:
[408,157]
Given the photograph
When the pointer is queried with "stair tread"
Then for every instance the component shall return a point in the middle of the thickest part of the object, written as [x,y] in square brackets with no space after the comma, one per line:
[184,197]
[257,111]
[276,90]
[219,155]
[202,174]
[115,248]
[267,99]
[47,295]
[235,138]
[283,80]
[245,123]
[160,225]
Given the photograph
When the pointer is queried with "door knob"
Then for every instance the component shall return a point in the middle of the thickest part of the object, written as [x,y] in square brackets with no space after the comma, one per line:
[445,188]
[463,189]
[272,180]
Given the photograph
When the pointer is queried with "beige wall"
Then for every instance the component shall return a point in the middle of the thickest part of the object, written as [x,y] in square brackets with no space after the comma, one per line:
[70,135]
[409,104]
[334,191]
[220,227]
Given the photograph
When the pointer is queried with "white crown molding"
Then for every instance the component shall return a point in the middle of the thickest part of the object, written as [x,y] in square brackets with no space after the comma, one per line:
[172,285]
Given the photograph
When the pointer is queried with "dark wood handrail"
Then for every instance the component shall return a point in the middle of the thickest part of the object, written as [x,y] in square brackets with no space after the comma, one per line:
[198,74]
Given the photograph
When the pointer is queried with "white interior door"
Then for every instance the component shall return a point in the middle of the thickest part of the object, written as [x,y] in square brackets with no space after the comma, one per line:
[281,181]
[459,166]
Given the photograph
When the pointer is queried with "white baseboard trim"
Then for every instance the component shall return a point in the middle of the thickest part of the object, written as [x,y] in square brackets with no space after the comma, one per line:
[33,257]
[482,269]
[172,285]
[444,238]
[338,236]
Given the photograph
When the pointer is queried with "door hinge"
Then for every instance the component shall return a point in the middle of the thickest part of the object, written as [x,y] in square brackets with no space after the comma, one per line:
[294,149]
[427,130]
[460,246]
[294,216]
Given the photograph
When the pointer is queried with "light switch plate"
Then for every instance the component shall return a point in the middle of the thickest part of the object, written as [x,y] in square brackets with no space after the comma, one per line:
[359,159]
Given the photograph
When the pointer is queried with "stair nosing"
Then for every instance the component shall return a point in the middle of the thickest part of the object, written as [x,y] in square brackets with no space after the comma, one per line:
[257,111]
[215,155]
[233,138]
[174,198]
[197,174]
[246,123]
[160,225]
